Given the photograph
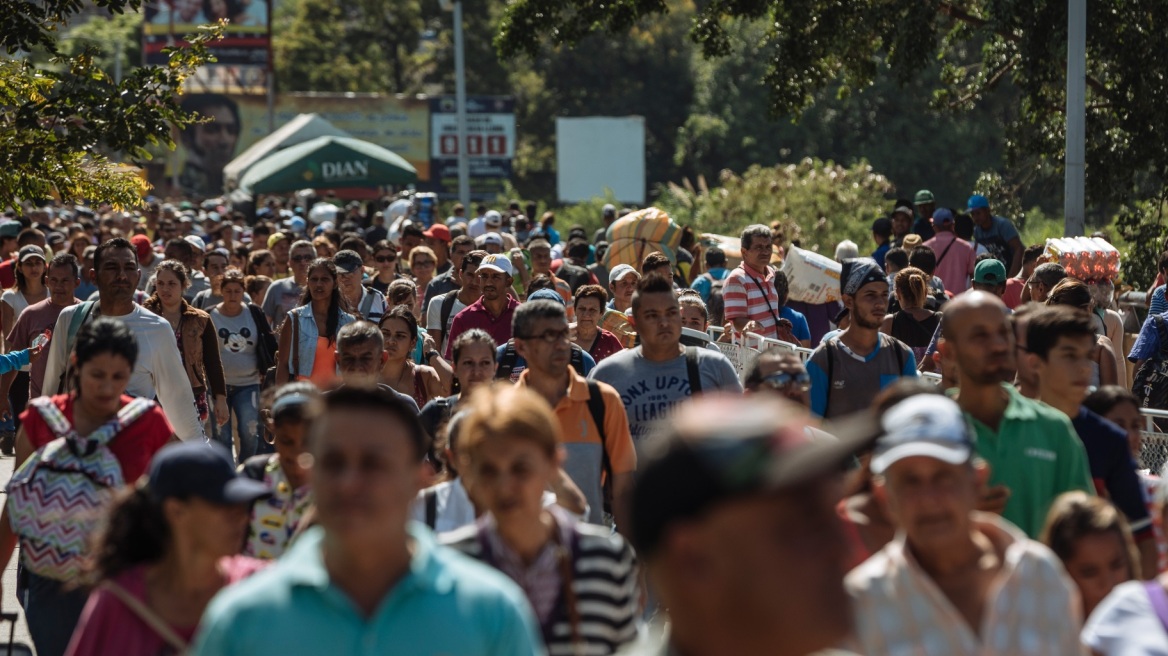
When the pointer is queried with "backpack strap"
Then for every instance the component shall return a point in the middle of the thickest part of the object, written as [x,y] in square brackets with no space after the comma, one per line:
[596,409]
[507,362]
[577,360]
[129,413]
[78,318]
[448,300]
[830,373]
[367,304]
[430,497]
[53,417]
[295,342]
[1162,333]
[693,371]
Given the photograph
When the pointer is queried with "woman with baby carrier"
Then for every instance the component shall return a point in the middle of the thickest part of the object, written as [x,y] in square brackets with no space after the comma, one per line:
[73,452]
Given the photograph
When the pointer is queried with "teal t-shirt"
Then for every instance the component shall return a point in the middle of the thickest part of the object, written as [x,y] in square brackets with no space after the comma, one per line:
[445,604]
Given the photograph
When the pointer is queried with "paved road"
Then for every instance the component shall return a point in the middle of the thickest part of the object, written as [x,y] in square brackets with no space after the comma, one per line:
[8,600]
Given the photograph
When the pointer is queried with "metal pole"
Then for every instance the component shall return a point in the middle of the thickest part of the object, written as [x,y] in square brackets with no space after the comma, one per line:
[118,45]
[1073,204]
[460,104]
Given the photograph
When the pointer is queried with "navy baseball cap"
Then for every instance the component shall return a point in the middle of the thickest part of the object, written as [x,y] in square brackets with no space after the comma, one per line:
[195,469]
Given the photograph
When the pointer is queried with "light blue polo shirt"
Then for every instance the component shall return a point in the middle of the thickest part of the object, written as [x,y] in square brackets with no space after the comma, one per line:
[446,604]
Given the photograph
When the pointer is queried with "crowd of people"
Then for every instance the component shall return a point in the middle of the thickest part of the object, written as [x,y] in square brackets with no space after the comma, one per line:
[264,435]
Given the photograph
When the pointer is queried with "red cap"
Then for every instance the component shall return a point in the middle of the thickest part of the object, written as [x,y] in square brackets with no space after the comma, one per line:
[142,244]
[438,231]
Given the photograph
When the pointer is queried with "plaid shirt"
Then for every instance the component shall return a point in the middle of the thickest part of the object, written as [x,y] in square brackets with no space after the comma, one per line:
[759,302]
[1032,607]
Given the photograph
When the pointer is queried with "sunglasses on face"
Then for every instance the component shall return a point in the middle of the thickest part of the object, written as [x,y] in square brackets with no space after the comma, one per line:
[784,381]
[385,259]
[303,258]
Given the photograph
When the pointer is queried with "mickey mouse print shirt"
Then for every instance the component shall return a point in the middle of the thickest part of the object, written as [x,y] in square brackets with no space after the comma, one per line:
[237,346]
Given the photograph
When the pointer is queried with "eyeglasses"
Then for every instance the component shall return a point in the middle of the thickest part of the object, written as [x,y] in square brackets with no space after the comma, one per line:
[551,336]
[385,259]
[785,381]
[303,258]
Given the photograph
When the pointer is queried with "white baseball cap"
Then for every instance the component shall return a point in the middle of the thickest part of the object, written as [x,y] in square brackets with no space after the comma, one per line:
[493,218]
[497,262]
[620,271]
[928,425]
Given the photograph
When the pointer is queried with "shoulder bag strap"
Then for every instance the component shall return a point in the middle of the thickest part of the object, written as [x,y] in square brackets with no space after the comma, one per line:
[447,308]
[946,251]
[693,371]
[1159,599]
[152,620]
[774,315]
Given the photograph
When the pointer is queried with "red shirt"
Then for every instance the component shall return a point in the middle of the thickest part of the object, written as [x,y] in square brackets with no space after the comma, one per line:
[134,447]
[605,345]
[476,315]
[8,273]
[1013,296]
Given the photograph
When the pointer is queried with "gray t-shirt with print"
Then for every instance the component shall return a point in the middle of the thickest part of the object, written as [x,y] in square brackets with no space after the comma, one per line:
[237,346]
[649,390]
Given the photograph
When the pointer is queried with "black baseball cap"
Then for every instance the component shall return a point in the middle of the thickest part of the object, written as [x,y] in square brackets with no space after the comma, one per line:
[724,447]
[197,469]
[348,261]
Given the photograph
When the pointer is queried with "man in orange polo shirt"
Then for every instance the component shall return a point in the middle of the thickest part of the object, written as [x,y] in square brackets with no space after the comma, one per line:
[592,416]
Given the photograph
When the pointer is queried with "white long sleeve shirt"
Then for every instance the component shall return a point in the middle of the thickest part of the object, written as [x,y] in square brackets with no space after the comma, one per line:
[158,373]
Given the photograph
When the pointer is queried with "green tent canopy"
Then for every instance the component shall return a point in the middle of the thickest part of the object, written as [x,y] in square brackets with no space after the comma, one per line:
[328,163]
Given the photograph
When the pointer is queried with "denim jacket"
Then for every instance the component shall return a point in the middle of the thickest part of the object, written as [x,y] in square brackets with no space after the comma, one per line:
[308,335]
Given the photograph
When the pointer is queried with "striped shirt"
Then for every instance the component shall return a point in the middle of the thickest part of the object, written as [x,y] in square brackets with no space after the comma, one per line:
[749,294]
[1032,607]
[604,583]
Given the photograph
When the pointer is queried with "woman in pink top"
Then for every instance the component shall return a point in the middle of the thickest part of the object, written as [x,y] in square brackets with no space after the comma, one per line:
[168,548]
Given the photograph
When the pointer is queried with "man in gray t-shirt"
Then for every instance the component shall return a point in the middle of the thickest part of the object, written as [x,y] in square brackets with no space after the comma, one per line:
[654,377]
[285,293]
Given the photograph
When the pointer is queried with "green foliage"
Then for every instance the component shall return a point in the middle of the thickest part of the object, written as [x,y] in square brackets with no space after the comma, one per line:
[814,46]
[1142,225]
[355,46]
[60,124]
[817,203]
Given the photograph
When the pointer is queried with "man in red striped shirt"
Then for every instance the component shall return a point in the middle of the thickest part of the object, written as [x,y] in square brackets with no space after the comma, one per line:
[749,291]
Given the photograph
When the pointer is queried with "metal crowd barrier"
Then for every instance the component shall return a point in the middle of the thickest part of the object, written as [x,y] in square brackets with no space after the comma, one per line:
[1154,453]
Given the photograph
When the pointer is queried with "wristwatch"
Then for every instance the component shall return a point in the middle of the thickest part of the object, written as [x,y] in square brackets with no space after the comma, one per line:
[431,354]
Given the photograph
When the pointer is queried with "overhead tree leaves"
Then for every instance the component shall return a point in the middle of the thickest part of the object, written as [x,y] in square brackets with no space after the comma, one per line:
[66,127]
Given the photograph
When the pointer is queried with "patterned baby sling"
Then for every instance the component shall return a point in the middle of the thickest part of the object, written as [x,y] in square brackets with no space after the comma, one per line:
[57,499]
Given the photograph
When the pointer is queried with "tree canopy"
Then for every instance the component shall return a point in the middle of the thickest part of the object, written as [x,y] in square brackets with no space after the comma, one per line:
[66,124]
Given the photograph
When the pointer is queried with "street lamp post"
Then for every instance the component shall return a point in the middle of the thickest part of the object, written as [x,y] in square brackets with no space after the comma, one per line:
[460,101]
[1073,203]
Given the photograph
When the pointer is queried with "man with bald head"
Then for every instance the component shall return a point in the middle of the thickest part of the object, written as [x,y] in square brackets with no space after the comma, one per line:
[1031,448]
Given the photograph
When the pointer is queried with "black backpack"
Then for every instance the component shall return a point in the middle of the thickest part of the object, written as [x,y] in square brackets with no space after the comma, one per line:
[511,357]
[1150,384]
[447,308]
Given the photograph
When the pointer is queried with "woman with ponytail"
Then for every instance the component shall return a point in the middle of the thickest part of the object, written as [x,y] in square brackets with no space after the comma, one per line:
[168,547]
[912,324]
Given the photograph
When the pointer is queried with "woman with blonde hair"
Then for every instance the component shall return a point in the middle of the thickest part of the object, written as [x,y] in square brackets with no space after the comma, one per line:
[423,265]
[581,579]
[1094,542]
[912,324]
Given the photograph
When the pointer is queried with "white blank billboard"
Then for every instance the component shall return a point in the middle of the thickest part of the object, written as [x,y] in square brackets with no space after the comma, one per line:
[598,153]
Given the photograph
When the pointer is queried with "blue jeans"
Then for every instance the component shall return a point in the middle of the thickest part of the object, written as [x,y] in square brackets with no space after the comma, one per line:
[52,611]
[243,404]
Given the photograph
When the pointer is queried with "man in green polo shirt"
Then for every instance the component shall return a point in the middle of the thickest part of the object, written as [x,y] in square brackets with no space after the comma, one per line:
[367,581]
[1031,448]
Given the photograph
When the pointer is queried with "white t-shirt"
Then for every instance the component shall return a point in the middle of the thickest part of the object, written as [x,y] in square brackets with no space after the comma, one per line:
[1125,624]
[453,507]
[434,317]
